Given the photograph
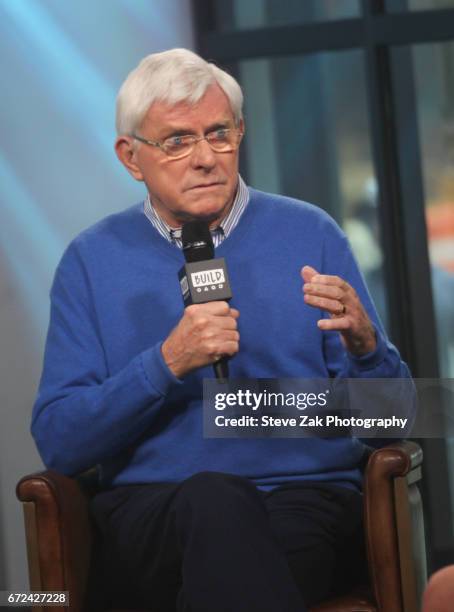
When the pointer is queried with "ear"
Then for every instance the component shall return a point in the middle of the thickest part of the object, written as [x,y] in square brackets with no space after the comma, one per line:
[241,126]
[127,154]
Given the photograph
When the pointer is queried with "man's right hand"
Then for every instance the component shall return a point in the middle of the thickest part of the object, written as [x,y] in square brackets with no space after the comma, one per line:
[205,333]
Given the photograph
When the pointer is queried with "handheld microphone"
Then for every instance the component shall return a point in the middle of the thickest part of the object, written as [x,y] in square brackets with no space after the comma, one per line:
[203,278]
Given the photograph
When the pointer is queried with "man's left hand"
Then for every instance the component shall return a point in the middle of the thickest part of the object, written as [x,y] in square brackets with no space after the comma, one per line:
[340,300]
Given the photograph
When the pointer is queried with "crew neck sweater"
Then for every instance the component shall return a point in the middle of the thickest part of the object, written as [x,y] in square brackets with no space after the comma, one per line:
[107,397]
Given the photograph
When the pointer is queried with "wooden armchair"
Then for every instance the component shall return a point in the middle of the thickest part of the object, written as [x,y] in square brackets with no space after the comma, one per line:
[60,535]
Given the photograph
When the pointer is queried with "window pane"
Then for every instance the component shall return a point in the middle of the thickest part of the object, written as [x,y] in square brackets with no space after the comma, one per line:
[250,14]
[307,136]
[434,77]
[397,6]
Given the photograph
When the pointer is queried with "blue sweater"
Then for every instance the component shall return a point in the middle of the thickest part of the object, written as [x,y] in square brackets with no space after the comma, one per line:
[106,395]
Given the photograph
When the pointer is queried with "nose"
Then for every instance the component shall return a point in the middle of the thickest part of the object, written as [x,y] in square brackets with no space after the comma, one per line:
[203,155]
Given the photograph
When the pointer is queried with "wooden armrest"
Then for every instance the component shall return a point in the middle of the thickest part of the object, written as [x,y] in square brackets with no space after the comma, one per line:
[58,534]
[397,459]
[394,526]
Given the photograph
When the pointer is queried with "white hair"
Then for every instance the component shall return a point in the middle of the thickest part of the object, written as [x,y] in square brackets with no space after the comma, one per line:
[172,76]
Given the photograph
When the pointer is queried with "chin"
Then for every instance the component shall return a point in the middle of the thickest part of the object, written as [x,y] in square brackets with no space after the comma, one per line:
[204,215]
[206,211]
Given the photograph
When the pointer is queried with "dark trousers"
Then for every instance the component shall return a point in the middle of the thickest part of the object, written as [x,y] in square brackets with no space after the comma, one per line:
[215,543]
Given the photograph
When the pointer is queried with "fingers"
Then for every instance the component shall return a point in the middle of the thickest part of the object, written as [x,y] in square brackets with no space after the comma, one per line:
[335,296]
[338,324]
[224,344]
[219,309]
[334,307]
[326,297]
[329,279]
[224,333]
[214,337]
[307,272]
[330,284]
[210,308]
[205,333]
[334,292]
[331,287]
[218,313]
[329,293]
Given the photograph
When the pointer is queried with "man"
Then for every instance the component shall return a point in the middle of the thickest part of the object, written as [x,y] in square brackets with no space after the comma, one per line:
[189,523]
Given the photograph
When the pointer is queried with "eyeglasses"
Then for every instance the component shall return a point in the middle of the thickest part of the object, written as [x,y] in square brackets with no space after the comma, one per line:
[222,140]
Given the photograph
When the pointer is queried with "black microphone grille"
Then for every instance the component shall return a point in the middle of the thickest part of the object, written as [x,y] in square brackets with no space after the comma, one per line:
[197,241]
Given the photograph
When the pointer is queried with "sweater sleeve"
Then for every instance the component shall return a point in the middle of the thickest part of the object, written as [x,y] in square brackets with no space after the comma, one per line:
[83,416]
[384,361]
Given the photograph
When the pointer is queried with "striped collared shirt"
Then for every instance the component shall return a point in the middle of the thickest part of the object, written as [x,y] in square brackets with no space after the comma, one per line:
[220,233]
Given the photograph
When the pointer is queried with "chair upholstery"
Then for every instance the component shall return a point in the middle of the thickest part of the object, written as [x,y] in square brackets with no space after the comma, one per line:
[59,535]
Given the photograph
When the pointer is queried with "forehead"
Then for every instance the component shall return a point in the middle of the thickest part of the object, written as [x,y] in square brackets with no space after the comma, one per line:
[213,107]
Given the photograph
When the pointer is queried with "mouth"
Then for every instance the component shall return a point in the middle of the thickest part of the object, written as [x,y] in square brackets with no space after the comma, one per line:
[206,186]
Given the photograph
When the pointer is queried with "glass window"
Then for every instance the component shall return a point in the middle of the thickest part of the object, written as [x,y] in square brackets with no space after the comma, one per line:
[434,78]
[307,136]
[251,14]
[397,6]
